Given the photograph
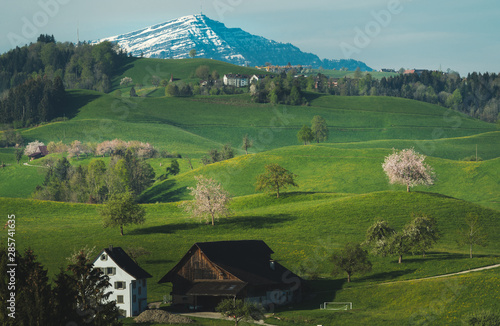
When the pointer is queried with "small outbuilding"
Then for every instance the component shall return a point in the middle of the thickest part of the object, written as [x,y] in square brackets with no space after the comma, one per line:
[41,152]
[213,271]
[128,280]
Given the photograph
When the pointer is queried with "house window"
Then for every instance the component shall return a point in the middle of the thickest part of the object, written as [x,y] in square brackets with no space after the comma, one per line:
[140,290]
[104,257]
[144,282]
[119,299]
[110,271]
[120,285]
[134,298]
[134,284]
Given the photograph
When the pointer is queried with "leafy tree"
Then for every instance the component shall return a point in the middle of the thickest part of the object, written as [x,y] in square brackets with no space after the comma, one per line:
[376,237]
[305,135]
[407,167]
[247,143]
[133,92]
[227,152]
[399,244]
[174,168]
[423,233]
[319,129]
[351,259]
[121,210]
[239,310]
[211,201]
[192,53]
[91,286]
[172,90]
[473,234]
[18,154]
[202,72]
[275,178]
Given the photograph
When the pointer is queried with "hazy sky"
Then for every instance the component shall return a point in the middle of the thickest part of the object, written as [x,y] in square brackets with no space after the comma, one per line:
[457,34]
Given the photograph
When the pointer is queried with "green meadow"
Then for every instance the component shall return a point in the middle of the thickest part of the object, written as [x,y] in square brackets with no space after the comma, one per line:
[342,191]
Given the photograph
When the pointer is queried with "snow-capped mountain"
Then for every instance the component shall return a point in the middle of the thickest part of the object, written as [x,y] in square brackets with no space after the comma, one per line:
[212,39]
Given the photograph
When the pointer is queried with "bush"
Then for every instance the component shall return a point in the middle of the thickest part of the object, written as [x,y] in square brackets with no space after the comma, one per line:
[483,318]
[472,158]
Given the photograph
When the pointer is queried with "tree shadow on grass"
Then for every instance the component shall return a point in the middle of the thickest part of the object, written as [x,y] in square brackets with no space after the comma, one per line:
[387,276]
[239,223]
[431,256]
[76,101]
[254,222]
[163,192]
[317,292]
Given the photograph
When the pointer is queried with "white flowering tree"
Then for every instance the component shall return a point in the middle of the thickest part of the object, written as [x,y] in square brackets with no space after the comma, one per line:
[210,202]
[407,167]
[32,147]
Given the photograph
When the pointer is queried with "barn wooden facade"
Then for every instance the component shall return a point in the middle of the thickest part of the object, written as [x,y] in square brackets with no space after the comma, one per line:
[212,271]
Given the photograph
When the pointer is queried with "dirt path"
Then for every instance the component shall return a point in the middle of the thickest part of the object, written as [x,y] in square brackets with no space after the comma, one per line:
[216,315]
[447,275]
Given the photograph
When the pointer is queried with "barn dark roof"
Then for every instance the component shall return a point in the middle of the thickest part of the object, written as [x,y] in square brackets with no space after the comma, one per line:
[248,260]
[126,263]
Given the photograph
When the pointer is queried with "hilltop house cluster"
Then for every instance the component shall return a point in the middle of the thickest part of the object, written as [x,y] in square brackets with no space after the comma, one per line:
[239,80]
[207,274]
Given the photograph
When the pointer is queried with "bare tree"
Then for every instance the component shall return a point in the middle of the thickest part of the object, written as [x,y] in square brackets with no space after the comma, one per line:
[211,201]
[472,234]
[407,167]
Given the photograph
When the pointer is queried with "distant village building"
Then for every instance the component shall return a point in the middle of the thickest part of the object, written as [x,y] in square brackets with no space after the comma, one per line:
[128,280]
[387,70]
[213,271]
[41,152]
[415,71]
[236,80]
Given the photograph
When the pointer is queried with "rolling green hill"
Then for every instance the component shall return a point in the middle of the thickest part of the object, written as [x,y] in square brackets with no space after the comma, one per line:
[303,229]
[342,191]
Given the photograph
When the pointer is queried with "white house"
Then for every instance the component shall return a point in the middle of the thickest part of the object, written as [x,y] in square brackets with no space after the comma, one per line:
[236,80]
[128,280]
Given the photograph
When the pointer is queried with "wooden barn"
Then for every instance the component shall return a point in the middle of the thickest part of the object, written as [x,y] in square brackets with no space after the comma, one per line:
[212,271]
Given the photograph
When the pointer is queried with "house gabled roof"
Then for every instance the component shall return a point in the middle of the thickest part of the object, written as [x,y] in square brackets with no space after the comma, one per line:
[120,257]
[247,260]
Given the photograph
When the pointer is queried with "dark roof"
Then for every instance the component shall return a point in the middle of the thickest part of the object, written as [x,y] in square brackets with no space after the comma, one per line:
[217,288]
[247,260]
[126,263]
[41,151]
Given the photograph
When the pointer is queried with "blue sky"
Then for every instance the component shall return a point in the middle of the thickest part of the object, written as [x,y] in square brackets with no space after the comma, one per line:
[461,35]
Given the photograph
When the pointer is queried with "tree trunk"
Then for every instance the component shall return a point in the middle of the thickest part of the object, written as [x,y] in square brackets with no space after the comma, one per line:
[470,251]
[121,229]
[213,219]
[400,259]
[278,192]
[348,278]
[407,188]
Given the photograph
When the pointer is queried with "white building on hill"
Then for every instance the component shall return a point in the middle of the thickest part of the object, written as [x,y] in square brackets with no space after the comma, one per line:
[128,280]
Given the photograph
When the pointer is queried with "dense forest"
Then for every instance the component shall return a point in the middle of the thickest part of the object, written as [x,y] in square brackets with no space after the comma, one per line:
[33,78]
[477,95]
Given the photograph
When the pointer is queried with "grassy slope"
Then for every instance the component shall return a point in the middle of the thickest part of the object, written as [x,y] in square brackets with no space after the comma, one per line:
[142,70]
[444,301]
[328,169]
[302,229]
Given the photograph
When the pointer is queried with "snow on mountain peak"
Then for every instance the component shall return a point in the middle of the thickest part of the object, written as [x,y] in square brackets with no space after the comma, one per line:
[212,39]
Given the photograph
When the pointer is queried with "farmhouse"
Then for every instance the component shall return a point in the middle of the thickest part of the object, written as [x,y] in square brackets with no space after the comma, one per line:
[127,279]
[41,152]
[213,271]
[236,80]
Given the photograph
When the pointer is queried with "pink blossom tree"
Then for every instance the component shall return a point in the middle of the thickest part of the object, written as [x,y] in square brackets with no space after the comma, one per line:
[32,147]
[407,167]
[211,201]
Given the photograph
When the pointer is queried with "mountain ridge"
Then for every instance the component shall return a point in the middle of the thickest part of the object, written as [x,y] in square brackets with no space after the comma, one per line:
[212,39]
